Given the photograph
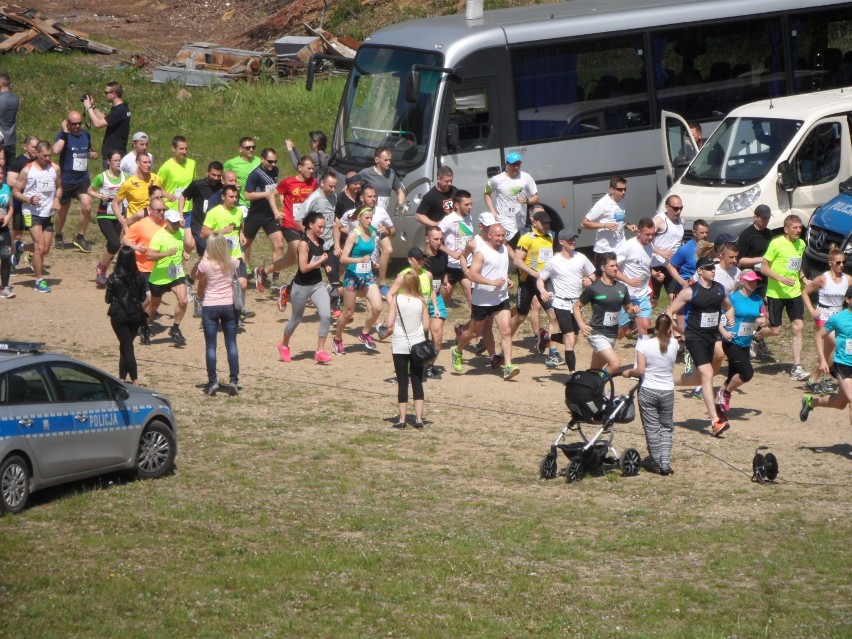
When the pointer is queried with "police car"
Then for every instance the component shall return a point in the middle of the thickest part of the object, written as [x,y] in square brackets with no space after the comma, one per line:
[62,420]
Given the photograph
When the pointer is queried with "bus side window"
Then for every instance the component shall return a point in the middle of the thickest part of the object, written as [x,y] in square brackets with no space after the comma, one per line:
[470,116]
[818,159]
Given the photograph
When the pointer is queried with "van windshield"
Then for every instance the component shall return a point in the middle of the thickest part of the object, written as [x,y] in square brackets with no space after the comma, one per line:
[741,151]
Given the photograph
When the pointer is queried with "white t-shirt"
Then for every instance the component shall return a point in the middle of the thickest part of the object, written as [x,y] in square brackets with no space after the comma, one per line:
[411,311]
[728,279]
[505,190]
[658,366]
[669,240]
[380,218]
[634,260]
[606,211]
[458,231]
[495,265]
[565,278]
[128,163]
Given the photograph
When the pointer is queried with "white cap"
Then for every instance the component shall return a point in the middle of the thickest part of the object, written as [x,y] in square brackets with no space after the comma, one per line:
[140,135]
[173,216]
[487,219]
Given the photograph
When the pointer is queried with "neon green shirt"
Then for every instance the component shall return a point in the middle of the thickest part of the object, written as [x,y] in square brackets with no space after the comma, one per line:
[219,217]
[167,269]
[785,260]
[175,178]
[242,168]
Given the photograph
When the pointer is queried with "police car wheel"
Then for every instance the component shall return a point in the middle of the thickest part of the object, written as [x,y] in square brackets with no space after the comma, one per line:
[155,456]
[14,484]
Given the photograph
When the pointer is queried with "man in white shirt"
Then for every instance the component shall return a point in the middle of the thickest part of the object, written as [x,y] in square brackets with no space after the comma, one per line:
[507,196]
[140,145]
[634,269]
[668,236]
[609,218]
[458,229]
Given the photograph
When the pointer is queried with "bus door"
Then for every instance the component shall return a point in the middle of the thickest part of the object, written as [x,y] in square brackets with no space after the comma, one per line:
[678,146]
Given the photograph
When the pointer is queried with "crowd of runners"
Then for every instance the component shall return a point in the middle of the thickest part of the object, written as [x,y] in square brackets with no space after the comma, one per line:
[725,299]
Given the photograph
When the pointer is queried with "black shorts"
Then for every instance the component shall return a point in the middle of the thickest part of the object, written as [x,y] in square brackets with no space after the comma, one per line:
[291,235]
[158,290]
[527,290]
[18,221]
[46,223]
[514,241]
[842,371]
[454,275]
[481,313]
[74,190]
[333,262]
[795,308]
[701,350]
[253,224]
[566,321]
[668,282]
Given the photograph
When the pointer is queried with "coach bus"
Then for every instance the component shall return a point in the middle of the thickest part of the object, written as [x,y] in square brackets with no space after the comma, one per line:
[583,90]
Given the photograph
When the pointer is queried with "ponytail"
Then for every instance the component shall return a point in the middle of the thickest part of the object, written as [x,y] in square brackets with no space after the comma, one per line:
[663,330]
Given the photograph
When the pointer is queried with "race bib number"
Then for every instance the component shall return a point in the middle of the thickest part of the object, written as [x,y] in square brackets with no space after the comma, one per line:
[233,242]
[179,191]
[544,255]
[175,271]
[849,347]
[269,187]
[298,211]
[436,284]
[363,268]
[315,258]
[746,329]
[611,318]
[44,184]
[794,264]
[383,202]
[709,320]
[204,206]
[80,163]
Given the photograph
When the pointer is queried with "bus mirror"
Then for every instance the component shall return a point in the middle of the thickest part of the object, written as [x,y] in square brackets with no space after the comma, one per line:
[412,86]
[452,136]
[786,179]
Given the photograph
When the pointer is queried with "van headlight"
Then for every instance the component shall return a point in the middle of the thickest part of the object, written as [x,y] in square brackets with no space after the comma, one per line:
[739,201]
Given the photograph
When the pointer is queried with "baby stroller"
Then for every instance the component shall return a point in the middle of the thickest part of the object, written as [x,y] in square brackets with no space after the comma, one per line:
[590,396]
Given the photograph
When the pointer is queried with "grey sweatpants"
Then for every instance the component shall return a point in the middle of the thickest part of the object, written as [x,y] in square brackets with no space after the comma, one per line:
[657,410]
[299,296]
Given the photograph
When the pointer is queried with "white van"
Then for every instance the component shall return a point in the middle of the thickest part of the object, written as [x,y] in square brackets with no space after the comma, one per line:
[789,153]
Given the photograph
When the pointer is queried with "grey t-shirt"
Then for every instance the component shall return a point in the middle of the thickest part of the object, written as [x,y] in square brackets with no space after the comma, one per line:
[9,104]
[386,186]
[607,302]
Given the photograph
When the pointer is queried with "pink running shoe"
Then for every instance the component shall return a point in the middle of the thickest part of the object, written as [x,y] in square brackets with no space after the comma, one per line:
[322,357]
[283,353]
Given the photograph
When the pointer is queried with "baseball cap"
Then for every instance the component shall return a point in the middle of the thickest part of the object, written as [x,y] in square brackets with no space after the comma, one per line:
[513,157]
[354,179]
[417,253]
[763,211]
[566,234]
[140,135]
[541,216]
[724,238]
[173,216]
[487,219]
[749,276]
[704,262]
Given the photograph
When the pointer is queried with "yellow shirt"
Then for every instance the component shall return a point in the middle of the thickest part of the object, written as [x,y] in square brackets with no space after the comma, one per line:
[135,192]
[538,248]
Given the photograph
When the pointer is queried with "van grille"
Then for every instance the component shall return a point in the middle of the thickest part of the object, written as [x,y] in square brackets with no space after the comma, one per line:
[820,240]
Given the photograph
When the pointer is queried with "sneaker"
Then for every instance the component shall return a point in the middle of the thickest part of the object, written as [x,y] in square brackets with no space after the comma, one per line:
[82,244]
[58,242]
[321,357]
[232,389]
[177,336]
[7,293]
[261,279]
[399,425]
[418,425]
[381,331]
[541,341]
[100,275]
[798,374]
[761,349]
[459,329]
[384,289]
[510,371]
[718,427]
[497,361]
[283,299]
[431,373]
[829,385]
[368,342]
[697,393]
[17,252]
[211,388]
[145,335]
[458,362]
[197,306]
[42,287]
[336,313]
[247,314]
[688,364]
[337,346]
[283,353]
[479,349]
[752,351]
[723,400]
[807,407]
[553,361]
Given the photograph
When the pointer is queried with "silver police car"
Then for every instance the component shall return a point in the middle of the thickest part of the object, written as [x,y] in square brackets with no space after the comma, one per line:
[62,420]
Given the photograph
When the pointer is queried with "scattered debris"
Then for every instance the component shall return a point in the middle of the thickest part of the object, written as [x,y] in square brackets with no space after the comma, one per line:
[25,30]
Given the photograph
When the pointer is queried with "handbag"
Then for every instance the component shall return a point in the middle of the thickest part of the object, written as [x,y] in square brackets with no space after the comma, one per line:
[421,353]
[239,297]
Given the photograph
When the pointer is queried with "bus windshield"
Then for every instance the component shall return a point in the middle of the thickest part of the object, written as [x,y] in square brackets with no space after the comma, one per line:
[375,112]
[741,151]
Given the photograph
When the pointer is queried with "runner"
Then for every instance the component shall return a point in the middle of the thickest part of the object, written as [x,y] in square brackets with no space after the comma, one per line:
[609,219]
[383,224]
[436,264]
[668,237]
[263,212]
[634,269]
[681,266]
[7,248]
[533,251]
[105,187]
[176,174]
[508,194]
[386,183]
[74,147]
[242,165]
[135,190]
[457,229]
[138,237]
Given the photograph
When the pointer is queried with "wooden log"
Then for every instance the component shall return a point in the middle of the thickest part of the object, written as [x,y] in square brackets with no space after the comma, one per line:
[14,41]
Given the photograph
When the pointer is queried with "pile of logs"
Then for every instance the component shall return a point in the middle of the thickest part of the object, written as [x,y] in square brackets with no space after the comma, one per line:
[25,30]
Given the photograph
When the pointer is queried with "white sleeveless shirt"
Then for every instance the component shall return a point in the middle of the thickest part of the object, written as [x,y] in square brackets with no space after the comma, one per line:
[40,182]
[668,240]
[495,265]
[831,296]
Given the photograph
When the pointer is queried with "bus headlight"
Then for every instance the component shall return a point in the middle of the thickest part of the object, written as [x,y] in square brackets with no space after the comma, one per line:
[739,201]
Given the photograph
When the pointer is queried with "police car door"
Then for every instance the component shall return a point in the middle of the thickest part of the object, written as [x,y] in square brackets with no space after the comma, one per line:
[106,436]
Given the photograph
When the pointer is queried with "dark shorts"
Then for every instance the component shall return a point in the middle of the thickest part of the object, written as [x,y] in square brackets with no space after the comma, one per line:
[514,241]
[481,313]
[74,190]
[253,224]
[668,282]
[701,350]
[18,221]
[526,292]
[158,290]
[454,276]
[242,271]
[46,223]
[566,321]
[291,235]
[795,308]
[842,371]
[333,262]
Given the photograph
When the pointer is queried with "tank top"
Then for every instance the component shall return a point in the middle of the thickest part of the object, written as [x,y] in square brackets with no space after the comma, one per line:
[362,248]
[705,311]
[425,281]
[831,296]
[40,182]
[314,276]
[108,190]
[668,240]
[495,265]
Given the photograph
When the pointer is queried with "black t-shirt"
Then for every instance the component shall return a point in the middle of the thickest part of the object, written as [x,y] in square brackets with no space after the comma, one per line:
[753,243]
[260,181]
[437,265]
[199,192]
[314,276]
[435,204]
[17,164]
[117,130]
[607,301]
[705,310]
[344,203]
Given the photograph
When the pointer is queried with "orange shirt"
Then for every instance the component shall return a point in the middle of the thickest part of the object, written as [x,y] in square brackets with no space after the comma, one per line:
[141,234]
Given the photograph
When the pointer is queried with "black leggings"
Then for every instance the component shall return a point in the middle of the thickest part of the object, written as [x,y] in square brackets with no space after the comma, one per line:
[401,365]
[739,361]
[111,230]
[125,329]
[6,246]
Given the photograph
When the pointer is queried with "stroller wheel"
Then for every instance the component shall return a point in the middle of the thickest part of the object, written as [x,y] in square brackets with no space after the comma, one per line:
[574,472]
[547,467]
[630,462]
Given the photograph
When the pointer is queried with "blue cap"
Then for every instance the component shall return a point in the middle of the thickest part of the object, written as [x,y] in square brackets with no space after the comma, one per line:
[513,157]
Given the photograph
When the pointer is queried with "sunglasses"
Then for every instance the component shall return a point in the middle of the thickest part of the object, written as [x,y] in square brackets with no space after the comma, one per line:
[270,161]
[676,209]
[840,262]
[249,148]
[707,268]
[75,123]
[157,210]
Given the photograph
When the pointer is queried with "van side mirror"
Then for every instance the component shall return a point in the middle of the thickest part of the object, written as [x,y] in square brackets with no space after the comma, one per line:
[680,163]
[452,136]
[412,86]
[786,178]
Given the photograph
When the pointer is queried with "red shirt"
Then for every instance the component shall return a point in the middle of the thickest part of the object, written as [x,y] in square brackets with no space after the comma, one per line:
[294,191]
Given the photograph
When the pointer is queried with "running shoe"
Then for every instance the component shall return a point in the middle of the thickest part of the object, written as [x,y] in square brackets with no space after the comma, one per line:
[829,385]
[42,287]
[697,393]
[58,242]
[718,427]
[211,388]
[17,252]
[321,357]
[7,293]
[283,353]
[337,346]
[283,299]
[247,314]
[807,407]
[336,313]
[798,374]
[752,351]
[100,275]
[197,306]
[368,342]
[232,389]
[177,336]
[431,373]
[384,289]
[497,361]
[541,341]
[381,331]
[145,335]
[479,349]
[723,399]
[457,359]
[761,349]
[261,279]
[688,364]
[82,244]
[510,371]
[554,361]
[459,329]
